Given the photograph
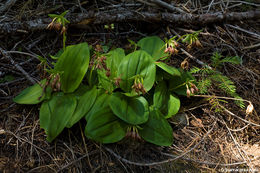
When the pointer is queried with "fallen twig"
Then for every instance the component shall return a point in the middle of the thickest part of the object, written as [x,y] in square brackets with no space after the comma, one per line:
[107,17]
[167,6]
[7,5]
[77,160]
[246,121]
[252,46]
[205,162]
[5,54]
[244,30]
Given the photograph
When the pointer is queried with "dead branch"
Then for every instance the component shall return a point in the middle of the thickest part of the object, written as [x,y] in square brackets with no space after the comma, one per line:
[167,6]
[17,66]
[7,5]
[128,16]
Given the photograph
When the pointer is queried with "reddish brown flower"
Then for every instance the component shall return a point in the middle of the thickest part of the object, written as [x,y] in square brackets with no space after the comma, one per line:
[117,81]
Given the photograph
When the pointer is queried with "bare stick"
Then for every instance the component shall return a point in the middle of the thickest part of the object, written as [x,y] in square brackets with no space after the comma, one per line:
[204,162]
[109,17]
[195,59]
[252,46]
[75,161]
[147,3]
[5,54]
[2,91]
[23,53]
[7,5]
[246,121]
[243,30]
[167,6]
[229,112]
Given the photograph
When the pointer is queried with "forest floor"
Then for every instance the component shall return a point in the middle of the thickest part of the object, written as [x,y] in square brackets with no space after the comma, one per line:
[205,140]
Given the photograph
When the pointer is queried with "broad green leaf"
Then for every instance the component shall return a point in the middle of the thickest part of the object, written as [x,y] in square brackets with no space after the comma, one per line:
[161,95]
[73,65]
[82,89]
[133,110]
[92,76]
[103,126]
[157,130]
[55,114]
[135,64]
[171,70]
[33,94]
[100,103]
[154,46]
[173,106]
[114,59]
[167,103]
[85,103]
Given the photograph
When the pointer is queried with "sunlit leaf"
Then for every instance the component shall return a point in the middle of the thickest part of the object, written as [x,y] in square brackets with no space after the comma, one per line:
[73,65]
[170,70]
[154,46]
[33,94]
[173,106]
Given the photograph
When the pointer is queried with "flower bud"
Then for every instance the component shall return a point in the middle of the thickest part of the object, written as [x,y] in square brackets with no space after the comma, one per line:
[108,73]
[189,46]
[249,109]
[50,26]
[117,81]
[185,64]
[198,44]
[58,85]
[166,50]
[98,66]
[98,48]
[188,92]
[140,86]
[63,29]
[192,90]
[176,44]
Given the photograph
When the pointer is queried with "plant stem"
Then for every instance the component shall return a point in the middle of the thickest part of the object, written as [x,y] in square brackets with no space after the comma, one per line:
[64,41]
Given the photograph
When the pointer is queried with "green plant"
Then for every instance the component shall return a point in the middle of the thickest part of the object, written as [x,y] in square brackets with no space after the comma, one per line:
[59,23]
[191,39]
[212,76]
[121,96]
